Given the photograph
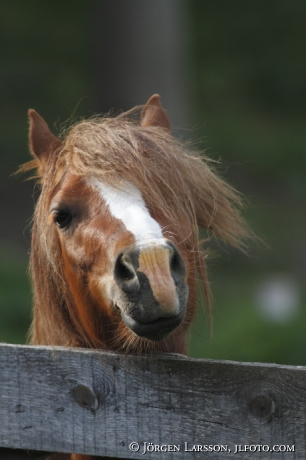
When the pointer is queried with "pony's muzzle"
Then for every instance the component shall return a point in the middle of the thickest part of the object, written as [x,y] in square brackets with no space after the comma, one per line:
[154,330]
[152,281]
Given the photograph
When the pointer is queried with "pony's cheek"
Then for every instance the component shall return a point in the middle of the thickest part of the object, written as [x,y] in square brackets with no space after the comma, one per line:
[79,249]
[99,289]
[75,259]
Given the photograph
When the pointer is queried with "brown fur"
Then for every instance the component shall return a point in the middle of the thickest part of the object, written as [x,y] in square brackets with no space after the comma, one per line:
[181,191]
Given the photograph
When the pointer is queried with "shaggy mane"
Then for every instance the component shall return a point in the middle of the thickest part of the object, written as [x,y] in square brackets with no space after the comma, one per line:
[171,177]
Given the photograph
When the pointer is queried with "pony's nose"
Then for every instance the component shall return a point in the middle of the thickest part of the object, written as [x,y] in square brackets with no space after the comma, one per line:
[159,268]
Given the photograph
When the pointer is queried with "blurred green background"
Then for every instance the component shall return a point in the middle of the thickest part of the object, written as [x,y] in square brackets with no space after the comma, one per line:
[232,75]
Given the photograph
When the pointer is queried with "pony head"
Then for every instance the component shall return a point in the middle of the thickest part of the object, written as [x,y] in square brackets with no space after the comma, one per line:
[115,247]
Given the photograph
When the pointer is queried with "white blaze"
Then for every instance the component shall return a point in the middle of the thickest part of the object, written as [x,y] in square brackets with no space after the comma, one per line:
[126,204]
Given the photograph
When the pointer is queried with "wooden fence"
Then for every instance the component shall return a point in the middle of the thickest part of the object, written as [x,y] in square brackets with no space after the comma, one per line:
[55,399]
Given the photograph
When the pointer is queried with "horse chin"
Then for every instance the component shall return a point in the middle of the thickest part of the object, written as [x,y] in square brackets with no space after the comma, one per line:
[155,330]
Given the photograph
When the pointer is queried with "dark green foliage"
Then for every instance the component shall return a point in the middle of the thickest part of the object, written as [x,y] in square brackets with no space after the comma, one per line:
[250,93]
[15,298]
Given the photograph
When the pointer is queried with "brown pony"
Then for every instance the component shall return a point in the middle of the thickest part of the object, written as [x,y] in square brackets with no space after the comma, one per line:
[115,246]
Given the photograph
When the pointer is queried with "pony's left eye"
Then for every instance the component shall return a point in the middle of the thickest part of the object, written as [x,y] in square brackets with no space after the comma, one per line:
[62,218]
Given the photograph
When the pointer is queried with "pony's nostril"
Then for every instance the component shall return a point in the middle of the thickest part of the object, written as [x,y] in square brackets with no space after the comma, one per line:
[177,265]
[124,270]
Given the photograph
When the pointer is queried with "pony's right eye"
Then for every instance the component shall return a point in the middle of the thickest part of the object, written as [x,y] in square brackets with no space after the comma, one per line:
[62,218]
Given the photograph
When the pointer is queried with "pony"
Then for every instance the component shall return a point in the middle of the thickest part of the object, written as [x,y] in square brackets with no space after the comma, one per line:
[115,241]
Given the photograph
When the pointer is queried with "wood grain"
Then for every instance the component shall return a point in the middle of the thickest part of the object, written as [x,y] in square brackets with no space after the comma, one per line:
[93,402]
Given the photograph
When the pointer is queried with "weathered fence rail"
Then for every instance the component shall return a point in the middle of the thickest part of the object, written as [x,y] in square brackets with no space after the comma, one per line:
[84,401]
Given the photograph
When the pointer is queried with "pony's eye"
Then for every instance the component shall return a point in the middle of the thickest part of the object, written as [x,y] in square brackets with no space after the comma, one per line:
[62,218]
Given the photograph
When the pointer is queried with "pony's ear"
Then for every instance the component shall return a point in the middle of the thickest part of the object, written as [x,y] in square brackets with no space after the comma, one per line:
[42,141]
[153,114]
